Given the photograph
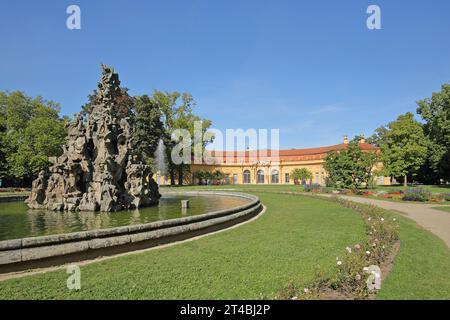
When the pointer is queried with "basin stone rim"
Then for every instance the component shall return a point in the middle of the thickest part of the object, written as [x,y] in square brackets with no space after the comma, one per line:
[48,240]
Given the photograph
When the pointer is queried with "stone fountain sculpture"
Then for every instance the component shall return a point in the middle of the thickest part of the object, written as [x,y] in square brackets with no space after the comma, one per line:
[98,169]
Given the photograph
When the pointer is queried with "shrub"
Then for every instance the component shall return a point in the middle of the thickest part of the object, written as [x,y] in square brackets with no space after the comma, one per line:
[312,188]
[326,190]
[416,194]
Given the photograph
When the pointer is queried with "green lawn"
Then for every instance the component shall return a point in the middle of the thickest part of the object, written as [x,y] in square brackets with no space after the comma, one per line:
[294,236]
[291,187]
[422,267]
[253,261]
[442,208]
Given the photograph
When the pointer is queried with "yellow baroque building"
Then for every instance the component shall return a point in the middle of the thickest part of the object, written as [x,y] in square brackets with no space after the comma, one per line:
[266,167]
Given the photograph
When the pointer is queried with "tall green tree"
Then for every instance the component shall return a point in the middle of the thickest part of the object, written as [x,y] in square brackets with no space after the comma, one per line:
[404,147]
[166,103]
[378,138]
[351,167]
[30,132]
[436,113]
[148,126]
[177,113]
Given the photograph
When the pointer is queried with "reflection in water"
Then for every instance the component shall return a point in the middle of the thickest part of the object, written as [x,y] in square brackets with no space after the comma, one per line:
[17,221]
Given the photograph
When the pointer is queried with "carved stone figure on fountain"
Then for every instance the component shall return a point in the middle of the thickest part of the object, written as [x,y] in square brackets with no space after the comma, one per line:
[98,169]
[38,189]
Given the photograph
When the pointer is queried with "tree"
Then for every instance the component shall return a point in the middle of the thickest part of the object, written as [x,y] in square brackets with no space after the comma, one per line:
[378,138]
[218,176]
[30,132]
[404,149]
[204,176]
[148,127]
[156,117]
[351,167]
[166,103]
[177,113]
[301,174]
[436,113]
[200,176]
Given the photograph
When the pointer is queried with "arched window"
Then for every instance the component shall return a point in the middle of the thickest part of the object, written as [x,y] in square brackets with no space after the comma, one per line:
[275,177]
[247,176]
[260,176]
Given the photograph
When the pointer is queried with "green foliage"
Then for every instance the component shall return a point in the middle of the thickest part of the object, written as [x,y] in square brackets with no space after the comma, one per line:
[378,138]
[157,117]
[436,113]
[177,113]
[148,127]
[350,168]
[442,208]
[201,176]
[404,147]
[218,175]
[204,176]
[301,174]
[30,132]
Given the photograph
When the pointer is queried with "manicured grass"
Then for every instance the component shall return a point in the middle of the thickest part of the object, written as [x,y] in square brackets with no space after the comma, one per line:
[422,267]
[442,208]
[299,189]
[253,261]
[296,235]
[291,187]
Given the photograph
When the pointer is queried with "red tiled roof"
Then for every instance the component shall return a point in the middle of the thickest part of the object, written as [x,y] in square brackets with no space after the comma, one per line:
[283,155]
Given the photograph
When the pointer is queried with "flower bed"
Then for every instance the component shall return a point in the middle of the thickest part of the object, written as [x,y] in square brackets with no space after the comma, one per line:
[413,194]
[356,277]
[416,194]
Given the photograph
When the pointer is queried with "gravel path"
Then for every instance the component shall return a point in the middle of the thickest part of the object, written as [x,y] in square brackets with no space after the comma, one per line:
[433,220]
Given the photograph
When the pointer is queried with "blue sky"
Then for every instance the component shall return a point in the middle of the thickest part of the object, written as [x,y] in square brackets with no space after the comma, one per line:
[310,68]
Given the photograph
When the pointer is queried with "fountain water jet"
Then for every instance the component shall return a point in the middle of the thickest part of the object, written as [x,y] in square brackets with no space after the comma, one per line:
[161,160]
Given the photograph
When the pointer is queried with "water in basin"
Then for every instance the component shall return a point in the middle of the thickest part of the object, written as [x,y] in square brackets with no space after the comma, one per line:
[17,221]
